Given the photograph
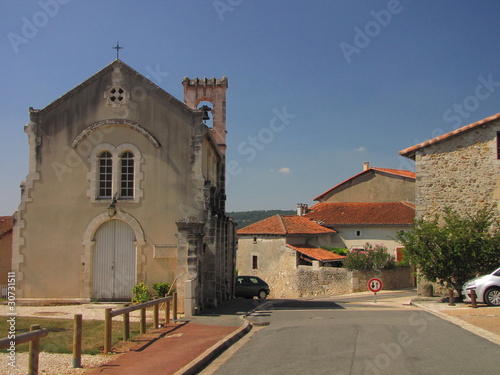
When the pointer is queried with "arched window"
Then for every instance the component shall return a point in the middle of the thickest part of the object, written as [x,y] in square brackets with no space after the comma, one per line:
[127,175]
[115,173]
[105,175]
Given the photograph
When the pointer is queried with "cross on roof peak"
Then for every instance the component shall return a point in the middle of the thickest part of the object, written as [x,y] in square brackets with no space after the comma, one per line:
[118,48]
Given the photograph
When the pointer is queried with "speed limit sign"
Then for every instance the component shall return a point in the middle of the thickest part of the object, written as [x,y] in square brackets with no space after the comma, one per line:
[375,285]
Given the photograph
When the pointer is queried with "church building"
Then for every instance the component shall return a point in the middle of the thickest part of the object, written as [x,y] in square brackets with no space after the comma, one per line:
[126,184]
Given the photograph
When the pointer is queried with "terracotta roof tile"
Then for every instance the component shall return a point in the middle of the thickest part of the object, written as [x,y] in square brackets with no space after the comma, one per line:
[382,213]
[285,225]
[410,151]
[396,172]
[6,224]
[316,252]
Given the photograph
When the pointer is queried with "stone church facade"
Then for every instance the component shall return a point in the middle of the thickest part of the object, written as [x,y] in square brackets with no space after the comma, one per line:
[126,184]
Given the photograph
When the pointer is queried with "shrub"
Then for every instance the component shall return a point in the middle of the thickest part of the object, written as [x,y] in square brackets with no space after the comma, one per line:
[371,257]
[141,293]
[161,288]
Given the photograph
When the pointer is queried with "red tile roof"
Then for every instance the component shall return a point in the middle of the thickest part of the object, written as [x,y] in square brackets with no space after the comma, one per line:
[6,223]
[285,225]
[350,213]
[316,252]
[396,172]
[410,151]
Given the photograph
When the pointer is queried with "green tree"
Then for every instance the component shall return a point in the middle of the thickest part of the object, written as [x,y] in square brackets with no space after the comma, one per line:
[453,249]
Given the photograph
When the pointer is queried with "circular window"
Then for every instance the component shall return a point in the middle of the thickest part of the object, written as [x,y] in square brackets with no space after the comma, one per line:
[116,95]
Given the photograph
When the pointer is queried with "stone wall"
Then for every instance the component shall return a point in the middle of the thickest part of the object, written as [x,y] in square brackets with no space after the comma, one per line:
[397,278]
[461,172]
[320,281]
[323,281]
[277,265]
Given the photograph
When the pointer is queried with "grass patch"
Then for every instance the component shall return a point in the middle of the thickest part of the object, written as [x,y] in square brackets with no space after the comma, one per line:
[60,337]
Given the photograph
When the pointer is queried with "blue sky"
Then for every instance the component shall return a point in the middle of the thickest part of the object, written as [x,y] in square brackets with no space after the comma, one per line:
[315,87]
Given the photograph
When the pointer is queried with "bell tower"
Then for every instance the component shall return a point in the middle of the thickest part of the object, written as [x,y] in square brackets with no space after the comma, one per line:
[214,91]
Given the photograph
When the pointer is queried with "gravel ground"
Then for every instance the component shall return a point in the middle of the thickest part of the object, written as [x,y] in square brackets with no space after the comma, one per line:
[91,311]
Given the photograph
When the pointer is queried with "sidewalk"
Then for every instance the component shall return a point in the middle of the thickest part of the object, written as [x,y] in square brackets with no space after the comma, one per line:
[175,349]
[483,321]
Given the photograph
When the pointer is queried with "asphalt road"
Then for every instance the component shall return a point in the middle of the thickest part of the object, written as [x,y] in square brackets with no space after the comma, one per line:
[351,335]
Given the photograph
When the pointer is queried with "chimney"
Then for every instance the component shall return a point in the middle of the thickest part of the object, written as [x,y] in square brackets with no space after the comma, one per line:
[366,165]
[301,209]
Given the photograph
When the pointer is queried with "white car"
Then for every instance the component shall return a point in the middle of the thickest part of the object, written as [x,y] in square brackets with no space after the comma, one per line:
[487,288]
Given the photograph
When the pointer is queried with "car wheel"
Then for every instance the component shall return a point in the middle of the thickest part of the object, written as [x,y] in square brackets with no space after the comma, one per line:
[262,294]
[492,297]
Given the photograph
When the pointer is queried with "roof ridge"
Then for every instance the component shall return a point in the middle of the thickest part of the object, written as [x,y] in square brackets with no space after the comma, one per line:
[408,204]
[392,169]
[283,225]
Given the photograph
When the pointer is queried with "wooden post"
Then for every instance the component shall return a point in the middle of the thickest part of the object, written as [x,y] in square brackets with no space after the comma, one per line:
[473,299]
[34,349]
[107,330]
[155,316]
[167,312]
[175,306]
[451,300]
[77,341]
[126,326]
[143,320]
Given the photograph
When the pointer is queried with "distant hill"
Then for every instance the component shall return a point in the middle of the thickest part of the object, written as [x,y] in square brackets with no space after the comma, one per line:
[245,218]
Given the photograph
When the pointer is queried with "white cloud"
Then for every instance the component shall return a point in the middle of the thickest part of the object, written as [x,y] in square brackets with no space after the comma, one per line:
[361,149]
[285,170]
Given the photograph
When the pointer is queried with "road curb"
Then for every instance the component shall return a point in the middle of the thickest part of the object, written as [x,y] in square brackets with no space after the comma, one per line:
[215,350]
[494,338]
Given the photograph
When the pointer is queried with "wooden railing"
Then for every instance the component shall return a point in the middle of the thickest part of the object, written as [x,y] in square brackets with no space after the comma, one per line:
[33,337]
[109,314]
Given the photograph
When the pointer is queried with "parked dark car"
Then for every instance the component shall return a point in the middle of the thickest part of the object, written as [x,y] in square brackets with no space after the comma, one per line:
[251,286]
[487,288]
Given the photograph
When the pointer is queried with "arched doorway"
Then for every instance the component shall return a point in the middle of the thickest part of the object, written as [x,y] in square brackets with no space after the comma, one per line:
[114,262]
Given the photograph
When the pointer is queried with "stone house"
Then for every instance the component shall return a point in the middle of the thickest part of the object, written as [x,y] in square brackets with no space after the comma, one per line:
[126,184]
[286,252]
[360,210]
[373,185]
[358,223]
[459,169]
[371,206]
[273,248]
[6,225]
